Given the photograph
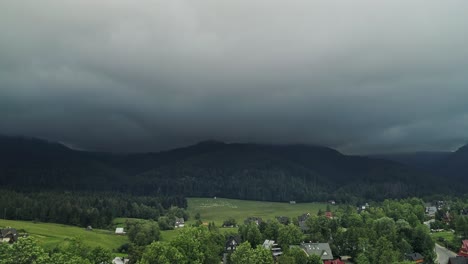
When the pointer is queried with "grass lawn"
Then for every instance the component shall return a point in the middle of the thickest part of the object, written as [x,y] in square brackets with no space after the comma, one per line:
[50,235]
[211,210]
[447,235]
[220,209]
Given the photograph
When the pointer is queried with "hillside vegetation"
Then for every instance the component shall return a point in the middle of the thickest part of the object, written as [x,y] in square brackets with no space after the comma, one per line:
[208,169]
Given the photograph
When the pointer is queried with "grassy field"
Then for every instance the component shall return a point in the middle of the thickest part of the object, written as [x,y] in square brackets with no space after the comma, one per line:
[211,210]
[50,235]
[220,209]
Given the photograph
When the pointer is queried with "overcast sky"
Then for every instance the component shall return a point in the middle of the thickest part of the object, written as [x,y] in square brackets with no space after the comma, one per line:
[125,75]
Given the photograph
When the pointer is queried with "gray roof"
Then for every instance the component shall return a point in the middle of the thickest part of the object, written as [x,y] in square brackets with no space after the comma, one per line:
[458,260]
[320,249]
[414,256]
[8,232]
[303,225]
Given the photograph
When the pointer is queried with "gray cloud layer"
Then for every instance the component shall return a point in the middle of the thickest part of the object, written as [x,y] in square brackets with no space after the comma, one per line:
[125,75]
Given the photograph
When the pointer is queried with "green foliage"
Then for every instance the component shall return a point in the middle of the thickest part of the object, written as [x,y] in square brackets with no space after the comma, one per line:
[423,243]
[162,253]
[84,209]
[297,254]
[314,259]
[230,222]
[320,228]
[244,254]
[251,233]
[362,259]
[143,233]
[383,252]
[289,235]
[64,258]
[165,223]
[76,251]
[199,245]
[100,255]
[24,251]
[287,260]
[271,230]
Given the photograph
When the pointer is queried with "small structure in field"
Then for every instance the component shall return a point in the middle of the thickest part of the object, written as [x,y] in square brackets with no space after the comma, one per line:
[120,231]
[292,202]
[253,219]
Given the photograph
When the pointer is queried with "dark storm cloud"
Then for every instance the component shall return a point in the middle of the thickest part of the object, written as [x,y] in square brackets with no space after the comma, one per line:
[361,76]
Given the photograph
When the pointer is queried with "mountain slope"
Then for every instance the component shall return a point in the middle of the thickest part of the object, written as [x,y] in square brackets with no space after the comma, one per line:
[454,166]
[245,171]
[27,163]
[422,159]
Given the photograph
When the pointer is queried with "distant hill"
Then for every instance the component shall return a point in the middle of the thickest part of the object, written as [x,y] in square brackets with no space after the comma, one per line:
[422,159]
[211,168]
[454,166]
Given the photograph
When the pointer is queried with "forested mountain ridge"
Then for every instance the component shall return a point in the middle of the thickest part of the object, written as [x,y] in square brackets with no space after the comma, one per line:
[245,171]
[420,159]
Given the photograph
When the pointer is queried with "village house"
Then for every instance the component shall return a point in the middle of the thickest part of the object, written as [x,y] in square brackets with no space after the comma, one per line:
[431,211]
[336,261]
[302,221]
[458,260]
[118,260]
[415,257]
[8,235]
[231,244]
[464,212]
[253,219]
[464,249]
[179,222]
[320,249]
[273,247]
[283,220]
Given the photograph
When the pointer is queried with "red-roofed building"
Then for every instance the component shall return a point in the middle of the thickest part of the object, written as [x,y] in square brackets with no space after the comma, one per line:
[464,249]
[336,261]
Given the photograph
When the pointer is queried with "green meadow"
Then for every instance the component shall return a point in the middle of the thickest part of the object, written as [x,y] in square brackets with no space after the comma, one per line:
[219,209]
[51,235]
